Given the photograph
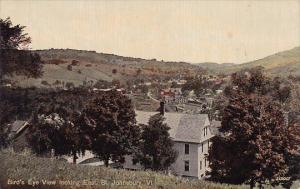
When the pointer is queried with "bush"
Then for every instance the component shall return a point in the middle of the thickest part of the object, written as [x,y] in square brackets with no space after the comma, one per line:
[70,85]
[45,83]
[69,67]
[57,82]
[75,62]
[114,71]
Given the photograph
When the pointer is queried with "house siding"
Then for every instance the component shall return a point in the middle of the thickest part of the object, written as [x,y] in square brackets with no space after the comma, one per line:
[178,166]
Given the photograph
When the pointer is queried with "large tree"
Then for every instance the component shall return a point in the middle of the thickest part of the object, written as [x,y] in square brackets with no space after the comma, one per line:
[156,149]
[13,61]
[256,145]
[56,123]
[109,121]
[13,58]
[12,36]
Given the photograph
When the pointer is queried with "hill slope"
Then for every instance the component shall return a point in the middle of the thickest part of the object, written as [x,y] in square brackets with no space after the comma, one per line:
[78,66]
[283,63]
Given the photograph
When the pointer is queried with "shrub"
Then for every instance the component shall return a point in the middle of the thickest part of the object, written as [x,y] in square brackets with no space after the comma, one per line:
[75,62]
[114,71]
[69,67]
[45,83]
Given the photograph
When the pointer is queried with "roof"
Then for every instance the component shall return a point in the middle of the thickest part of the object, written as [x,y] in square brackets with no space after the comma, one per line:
[184,127]
[17,126]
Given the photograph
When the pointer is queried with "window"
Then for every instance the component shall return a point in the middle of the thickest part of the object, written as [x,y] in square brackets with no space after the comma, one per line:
[204,162]
[186,165]
[187,149]
[202,146]
[204,131]
[200,165]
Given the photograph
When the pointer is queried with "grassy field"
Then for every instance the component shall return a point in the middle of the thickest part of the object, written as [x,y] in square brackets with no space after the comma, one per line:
[24,170]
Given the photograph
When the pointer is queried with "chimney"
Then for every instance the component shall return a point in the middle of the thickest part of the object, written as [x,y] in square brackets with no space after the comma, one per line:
[162,108]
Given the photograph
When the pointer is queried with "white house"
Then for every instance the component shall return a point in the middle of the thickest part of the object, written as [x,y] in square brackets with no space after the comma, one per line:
[191,134]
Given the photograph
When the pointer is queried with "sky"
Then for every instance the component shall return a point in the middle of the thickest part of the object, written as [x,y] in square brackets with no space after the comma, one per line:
[226,31]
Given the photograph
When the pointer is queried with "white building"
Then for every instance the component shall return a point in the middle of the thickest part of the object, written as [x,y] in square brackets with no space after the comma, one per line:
[191,134]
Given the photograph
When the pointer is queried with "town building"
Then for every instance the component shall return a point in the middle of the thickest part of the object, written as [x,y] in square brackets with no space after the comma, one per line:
[191,135]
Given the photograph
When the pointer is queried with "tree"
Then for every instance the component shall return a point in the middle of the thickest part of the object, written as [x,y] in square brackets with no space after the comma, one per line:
[138,71]
[56,123]
[14,61]
[199,85]
[255,144]
[109,121]
[12,37]
[69,67]
[114,71]
[156,148]
[54,132]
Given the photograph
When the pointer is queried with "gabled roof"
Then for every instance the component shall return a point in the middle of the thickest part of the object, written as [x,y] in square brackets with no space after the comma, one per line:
[184,127]
[17,126]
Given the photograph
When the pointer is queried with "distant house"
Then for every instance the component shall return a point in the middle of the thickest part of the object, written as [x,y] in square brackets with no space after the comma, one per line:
[17,127]
[191,134]
[17,135]
[176,91]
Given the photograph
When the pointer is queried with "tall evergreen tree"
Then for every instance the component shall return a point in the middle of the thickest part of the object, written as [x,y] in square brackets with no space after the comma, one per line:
[156,148]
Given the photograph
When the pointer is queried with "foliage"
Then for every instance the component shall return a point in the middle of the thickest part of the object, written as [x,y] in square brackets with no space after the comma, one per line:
[20,62]
[69,67]
[69,85]
[254,81]
[156,148]
[44,82]
[101,84]
[255,144]
[114,71]
[200,86]
[109,121]
[55,123]
[12,37]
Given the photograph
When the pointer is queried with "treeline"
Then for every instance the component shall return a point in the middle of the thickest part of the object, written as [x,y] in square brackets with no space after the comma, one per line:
[70,122]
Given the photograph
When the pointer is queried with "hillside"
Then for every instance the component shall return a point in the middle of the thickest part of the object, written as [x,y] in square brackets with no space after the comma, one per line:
[60,174]
[283,63]
[90,66]
[79,66]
